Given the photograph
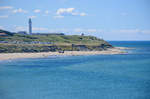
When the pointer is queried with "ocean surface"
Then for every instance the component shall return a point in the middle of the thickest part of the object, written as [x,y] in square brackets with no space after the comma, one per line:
[80,77]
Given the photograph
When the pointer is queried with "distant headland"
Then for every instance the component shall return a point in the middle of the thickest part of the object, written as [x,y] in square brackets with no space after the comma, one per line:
[25,45]
[15,42]
[14,45]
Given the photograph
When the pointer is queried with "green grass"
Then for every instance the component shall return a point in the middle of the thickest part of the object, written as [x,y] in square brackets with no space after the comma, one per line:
[57,39]
[59,42]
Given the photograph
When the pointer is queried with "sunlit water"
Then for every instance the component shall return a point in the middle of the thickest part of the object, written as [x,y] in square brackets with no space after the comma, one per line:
[79,77]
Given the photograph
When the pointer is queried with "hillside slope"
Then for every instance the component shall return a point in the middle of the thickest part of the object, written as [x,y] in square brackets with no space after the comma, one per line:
[48,42]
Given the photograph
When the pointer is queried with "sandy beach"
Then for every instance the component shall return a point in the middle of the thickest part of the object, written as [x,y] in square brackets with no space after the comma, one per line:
[10,56]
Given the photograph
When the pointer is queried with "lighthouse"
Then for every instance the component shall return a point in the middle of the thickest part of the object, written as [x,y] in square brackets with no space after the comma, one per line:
[30,26]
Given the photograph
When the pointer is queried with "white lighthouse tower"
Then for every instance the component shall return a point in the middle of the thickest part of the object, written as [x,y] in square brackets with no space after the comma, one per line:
[30,26]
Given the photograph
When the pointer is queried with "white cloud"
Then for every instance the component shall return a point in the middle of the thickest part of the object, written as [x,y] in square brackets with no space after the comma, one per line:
[64,10]
[129,31]
[59,16]
[4,16]
[78,30]
[20,10]
[6,7]
[20,28]
[32,17]
[23,28]
[87,30]
[58,30]
[37,10]
[47,12]
[68,11]
[1,27]
[83,14]
[75,13]
[146,31]
[75,30]
[40,29]
[92,30]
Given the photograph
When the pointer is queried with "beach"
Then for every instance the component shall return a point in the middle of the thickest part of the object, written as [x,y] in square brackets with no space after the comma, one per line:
[10,56]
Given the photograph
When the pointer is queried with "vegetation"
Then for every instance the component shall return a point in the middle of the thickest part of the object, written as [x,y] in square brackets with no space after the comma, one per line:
[57,39]
[50,42]
[7,32]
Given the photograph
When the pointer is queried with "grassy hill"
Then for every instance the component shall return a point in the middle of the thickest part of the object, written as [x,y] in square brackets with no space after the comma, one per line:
[57,39]
[6,32]
[48,42]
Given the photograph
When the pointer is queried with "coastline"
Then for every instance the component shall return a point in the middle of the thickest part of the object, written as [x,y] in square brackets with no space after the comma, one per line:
[110,51]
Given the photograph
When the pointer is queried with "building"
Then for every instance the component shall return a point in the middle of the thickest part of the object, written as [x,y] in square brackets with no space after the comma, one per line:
[82,34]
[30,26]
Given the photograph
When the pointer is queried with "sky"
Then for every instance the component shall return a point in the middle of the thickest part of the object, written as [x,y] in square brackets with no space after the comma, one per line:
[107,19]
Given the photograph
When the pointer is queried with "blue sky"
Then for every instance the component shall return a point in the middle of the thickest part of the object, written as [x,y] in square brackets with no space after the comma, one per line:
[107,19]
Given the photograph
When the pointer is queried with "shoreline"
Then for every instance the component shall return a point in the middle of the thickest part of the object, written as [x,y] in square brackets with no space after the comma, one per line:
[110,51]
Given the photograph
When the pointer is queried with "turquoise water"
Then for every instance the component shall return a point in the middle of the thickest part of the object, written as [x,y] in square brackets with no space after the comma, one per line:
[79,77]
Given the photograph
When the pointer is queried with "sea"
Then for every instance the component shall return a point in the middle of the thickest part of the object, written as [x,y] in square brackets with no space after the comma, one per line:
[123,76]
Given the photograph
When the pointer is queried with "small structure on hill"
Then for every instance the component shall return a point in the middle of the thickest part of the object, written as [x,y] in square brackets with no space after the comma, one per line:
[82,34]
